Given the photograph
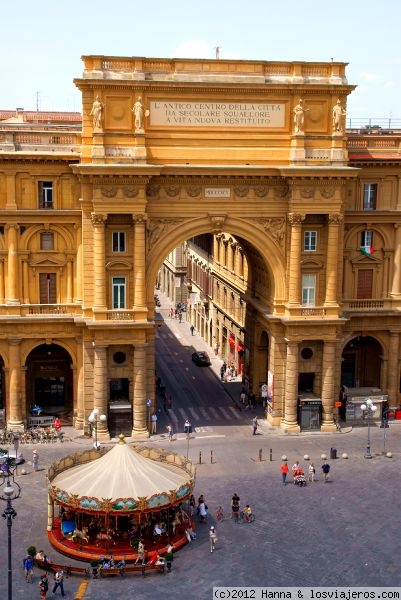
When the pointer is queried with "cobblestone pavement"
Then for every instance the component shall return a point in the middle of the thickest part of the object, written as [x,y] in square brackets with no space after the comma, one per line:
[341,533]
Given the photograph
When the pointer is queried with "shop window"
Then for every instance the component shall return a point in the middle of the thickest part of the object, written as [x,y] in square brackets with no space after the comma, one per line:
[310,239]
[45,194]
[308,290]
[369,196]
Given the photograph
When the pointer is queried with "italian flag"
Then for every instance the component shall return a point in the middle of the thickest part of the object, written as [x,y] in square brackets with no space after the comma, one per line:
[367,250]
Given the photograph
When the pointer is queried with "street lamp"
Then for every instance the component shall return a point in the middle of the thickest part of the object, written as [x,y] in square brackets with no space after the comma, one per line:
[368,411]
[9,490]
[94,419]
[148,405]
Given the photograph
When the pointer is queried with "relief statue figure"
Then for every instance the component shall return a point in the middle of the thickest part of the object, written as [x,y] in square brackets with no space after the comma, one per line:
[299,116]
[138,113]
[97,113]
[338,117]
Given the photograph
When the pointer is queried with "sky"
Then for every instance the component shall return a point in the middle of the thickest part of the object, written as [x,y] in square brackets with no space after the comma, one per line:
[41,43]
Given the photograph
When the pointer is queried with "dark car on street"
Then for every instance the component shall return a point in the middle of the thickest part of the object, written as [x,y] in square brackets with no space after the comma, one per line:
[201,359]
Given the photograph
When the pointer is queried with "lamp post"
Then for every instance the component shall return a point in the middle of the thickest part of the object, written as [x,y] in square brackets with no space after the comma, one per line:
[368,411]
[9,490]
[148,405]
[94,419]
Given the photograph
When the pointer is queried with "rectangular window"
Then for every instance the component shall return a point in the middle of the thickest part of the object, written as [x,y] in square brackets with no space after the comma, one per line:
[366,239]
[365,284]
[47,288]
[118,292]
[118,241]
[46,241]
[310,238]
[369,196]
[308,290]
[45,194]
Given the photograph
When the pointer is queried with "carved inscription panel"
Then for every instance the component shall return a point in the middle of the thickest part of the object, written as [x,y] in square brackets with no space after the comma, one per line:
[217,114]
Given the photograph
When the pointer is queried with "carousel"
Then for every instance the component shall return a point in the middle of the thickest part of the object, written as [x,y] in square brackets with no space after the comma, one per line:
[106,502]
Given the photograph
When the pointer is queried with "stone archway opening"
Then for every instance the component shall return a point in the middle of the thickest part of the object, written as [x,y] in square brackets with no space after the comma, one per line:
[361,364]
[49,381]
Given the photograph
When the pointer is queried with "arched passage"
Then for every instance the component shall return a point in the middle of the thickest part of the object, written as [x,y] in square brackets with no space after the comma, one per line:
[361,364]
[49,379]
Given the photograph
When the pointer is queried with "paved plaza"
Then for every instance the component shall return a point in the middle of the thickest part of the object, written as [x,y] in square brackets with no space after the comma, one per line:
[341,533]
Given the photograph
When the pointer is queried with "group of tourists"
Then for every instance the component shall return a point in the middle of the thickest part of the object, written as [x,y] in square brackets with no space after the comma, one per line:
[298,473]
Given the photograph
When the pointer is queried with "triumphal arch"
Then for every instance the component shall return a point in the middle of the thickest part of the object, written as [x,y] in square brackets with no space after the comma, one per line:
[176,148]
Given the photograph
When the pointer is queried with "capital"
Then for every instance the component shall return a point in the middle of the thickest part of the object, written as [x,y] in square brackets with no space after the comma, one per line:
[296,218]
[98,220]
[335,219]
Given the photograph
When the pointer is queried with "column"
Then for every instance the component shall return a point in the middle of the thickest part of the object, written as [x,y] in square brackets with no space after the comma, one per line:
[332,257]
[291,388]
[139,263]
[69,281]
[2,292]
[50,513]
[12,274]
[294,277]
[99,260]
[79,386]
[328,364]
[100,389]
[393,370]
[396,284]
[25,282]
[78,265]
[139,392]
[14,413]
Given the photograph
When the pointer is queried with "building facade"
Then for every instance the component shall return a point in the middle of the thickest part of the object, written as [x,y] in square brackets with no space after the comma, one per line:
[249,158]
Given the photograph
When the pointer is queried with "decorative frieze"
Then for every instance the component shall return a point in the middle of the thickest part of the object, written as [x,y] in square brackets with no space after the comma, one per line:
[158,227]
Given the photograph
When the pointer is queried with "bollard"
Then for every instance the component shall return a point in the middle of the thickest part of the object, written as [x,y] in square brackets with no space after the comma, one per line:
[200,457]
[271,454]
[211,457]
[260,455]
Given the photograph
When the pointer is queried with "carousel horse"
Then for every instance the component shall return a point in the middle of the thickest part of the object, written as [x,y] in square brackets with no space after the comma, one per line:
[80,534]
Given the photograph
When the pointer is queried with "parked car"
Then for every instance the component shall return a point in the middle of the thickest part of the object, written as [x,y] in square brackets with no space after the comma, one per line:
[201,359]
[15,457]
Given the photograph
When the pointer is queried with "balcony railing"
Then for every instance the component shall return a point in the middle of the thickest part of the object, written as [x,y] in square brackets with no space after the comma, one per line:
[366,305]
[120,315]
[50,309]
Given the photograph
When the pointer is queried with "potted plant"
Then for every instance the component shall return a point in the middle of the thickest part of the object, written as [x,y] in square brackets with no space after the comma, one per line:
[95,567]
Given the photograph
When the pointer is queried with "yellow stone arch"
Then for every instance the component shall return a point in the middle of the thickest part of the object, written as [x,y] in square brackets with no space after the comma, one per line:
[180,230]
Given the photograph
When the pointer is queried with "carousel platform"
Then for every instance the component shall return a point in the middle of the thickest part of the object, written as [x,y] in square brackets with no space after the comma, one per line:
[120,548]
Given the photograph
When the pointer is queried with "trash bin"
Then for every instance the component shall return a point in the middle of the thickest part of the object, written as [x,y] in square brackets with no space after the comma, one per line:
[333,452]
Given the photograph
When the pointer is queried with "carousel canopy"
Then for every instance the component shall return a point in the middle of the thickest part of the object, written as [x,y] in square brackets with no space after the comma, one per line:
[123,477]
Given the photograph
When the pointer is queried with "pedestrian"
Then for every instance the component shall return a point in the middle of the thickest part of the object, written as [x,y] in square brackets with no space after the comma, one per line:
[202,511]
[141,552]
[153,420]
[212,538]
[284,472]
[57,424]
[43,585]
[187,428]
[59,582]
[255,424]
[242,396]
[326,470]
[180,316]
[192,505]
[192,328]
[169,428]
[295,468]
[235,506]
[28,568]
[222,372]
[170,402]
[35,460]
[311,473]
